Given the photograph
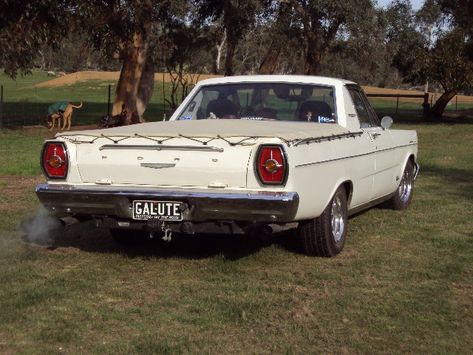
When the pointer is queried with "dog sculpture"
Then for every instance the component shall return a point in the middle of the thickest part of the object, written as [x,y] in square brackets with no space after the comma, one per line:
[61,110]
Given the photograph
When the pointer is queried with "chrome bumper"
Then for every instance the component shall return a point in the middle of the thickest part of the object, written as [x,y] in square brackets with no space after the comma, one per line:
[96,201]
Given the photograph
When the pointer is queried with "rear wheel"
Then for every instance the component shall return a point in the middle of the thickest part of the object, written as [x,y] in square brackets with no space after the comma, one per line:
[403,195]
[325,235]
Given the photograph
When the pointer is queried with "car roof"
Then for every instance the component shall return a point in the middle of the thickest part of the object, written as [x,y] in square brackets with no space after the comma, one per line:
[301,79]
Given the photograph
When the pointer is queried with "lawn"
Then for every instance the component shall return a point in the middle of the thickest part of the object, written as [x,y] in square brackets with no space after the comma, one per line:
[26,105]
[404,282]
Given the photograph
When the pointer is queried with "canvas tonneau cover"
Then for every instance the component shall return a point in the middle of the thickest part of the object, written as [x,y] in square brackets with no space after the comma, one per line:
[218,128]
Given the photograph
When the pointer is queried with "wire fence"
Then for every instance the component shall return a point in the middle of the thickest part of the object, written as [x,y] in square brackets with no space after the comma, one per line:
[20,109]
[27,106]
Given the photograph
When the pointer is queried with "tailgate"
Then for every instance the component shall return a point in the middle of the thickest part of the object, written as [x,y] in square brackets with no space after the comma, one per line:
[182,163]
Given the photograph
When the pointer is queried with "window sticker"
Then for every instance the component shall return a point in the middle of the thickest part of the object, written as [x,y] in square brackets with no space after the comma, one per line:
[323,119]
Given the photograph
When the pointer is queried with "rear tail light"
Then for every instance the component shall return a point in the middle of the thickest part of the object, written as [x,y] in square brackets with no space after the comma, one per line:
[271,165]
[55,160]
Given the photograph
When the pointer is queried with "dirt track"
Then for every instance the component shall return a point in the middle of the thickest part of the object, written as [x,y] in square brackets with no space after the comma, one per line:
[112,76]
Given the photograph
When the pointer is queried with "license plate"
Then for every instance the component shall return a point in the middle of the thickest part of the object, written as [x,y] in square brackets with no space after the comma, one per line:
[161,210]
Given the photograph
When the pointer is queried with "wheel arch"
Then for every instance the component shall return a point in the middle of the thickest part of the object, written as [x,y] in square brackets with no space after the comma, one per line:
[348,186]
[413,160]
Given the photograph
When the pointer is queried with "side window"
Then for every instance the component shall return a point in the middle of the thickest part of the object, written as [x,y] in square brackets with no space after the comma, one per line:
[360,107]
[363,111]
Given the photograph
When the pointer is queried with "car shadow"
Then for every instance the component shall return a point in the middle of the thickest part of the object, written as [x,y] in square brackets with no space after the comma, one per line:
[86,237]
[455,181]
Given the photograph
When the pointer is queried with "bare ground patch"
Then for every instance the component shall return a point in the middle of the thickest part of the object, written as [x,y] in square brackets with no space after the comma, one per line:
[73,78]
[15,189]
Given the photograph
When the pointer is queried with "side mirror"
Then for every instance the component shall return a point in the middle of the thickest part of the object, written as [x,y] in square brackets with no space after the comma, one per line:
[386,122]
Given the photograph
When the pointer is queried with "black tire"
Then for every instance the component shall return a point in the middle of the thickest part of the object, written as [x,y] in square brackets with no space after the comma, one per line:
[128,236]
[325,235]
[403,196]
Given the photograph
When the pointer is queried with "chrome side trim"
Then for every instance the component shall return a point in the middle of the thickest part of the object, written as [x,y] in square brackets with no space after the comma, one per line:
[370,204]
[353,156]
[160,147]
[158,165]
[326,138]
[255,206]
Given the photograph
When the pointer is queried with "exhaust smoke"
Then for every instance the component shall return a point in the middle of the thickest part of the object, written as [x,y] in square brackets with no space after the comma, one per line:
[41,228]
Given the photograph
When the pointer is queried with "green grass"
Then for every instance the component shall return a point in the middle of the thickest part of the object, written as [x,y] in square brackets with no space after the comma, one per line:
[20,151]
[404,282]
[26,105]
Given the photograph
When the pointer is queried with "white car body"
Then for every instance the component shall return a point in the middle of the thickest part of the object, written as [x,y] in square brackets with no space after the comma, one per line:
[209,164]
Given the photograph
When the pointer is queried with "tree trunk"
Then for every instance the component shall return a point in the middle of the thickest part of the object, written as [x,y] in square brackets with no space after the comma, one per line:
[312,60]
[134,87]
[145,88]
[270,60]
[279,32]
[219,48]
[231,45]
[439,107]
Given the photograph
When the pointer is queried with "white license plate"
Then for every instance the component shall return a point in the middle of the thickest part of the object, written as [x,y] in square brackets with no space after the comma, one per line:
[161,210]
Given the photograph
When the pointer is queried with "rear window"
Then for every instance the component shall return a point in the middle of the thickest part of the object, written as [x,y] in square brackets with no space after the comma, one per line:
[263,101]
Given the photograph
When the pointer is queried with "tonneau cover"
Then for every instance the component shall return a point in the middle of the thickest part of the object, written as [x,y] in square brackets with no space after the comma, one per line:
[285,130]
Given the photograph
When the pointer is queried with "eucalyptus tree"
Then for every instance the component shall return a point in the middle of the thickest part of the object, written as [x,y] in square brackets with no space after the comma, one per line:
[443,56]
[320,22]
[127,30]
[458,13]
[130,30]
[237,18]
[27,25]
[317,25]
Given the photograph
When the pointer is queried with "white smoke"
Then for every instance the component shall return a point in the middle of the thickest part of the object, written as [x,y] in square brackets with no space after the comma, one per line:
[41,228]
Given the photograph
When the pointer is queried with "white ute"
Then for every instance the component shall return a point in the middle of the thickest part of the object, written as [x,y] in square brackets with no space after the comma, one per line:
[238,155]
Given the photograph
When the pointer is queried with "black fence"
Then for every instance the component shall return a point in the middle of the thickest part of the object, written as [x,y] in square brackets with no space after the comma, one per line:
[24,111]
[21,111]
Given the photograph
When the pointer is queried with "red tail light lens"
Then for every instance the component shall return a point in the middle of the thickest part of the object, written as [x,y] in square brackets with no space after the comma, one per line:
[271,165]
[54,160]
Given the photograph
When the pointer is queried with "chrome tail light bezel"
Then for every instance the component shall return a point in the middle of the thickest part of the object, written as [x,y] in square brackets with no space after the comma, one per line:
[258,166]
[65,160]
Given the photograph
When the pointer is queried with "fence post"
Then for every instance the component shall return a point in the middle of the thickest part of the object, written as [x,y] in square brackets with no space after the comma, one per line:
[426,105]
[164,95]
[109,98]
[397,104]
[1,106]
[456,103]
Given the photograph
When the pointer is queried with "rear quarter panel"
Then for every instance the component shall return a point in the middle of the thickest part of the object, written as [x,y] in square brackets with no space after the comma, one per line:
[406,142]
[317,169]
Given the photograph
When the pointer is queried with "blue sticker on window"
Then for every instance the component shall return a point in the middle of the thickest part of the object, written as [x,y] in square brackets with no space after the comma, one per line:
[323,119]
[185,118]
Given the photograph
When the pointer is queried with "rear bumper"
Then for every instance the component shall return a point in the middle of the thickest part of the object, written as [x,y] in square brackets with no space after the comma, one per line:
[96,201]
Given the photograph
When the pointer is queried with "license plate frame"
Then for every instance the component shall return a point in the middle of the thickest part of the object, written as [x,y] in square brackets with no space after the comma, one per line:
[144,210]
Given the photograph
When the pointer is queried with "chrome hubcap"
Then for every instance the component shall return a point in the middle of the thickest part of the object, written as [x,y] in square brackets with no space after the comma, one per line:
[405,187]
[338,219]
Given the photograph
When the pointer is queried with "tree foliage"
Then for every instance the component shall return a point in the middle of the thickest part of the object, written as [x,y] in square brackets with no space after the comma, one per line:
[353,39]
[435,49]
[27,25]
[236,16]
